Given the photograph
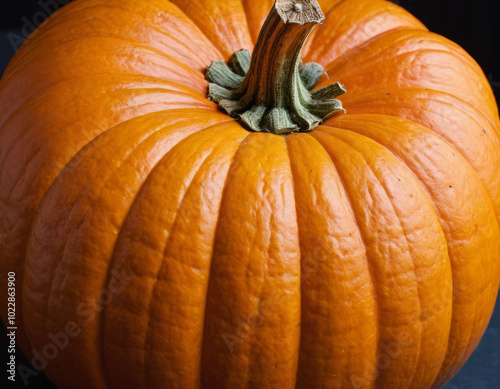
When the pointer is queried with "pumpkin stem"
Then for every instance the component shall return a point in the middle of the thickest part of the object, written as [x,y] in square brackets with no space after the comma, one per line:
[270,90]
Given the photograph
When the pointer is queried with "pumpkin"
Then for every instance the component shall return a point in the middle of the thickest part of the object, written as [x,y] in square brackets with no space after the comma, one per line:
[295,236]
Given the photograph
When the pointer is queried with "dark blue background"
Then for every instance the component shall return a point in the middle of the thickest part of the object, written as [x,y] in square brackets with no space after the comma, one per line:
[473,24]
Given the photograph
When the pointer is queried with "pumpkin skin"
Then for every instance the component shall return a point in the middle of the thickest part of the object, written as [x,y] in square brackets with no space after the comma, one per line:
[362,254]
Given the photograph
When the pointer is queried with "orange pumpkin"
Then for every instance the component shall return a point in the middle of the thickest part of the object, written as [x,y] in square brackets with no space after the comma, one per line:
[157,242]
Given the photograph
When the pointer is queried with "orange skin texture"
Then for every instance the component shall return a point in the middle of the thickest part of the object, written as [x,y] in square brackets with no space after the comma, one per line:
[362,254]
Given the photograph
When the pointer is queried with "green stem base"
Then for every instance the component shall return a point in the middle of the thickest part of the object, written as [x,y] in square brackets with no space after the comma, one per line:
[271,90]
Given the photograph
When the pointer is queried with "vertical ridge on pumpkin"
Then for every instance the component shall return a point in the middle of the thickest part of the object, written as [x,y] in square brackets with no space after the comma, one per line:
[29,168]
[395,206]
[369,377]
[212,172]
[301,257]
[212,261]
[136,146]
[472,237]
[161,271]
[253,305]
[337,321]
[421,232]
[77,220]
[181,212]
